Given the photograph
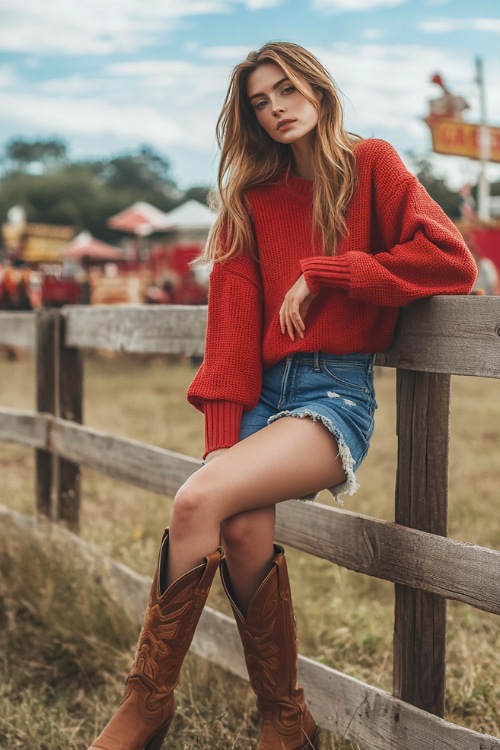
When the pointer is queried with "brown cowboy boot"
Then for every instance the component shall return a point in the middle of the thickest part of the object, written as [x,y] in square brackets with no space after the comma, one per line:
[269,639]
[146,711]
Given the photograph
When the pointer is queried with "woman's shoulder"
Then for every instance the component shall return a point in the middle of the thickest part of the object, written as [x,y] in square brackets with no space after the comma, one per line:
[376,149]
[375,155]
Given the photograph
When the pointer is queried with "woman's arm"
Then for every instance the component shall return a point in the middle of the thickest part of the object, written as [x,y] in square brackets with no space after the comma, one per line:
[230,377]
[421,252]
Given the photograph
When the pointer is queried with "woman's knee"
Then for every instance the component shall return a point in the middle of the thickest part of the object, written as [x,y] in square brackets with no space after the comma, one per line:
[239,532]
[190,503]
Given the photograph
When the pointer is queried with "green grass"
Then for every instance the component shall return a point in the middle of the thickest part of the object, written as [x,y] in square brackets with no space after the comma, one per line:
[345,619]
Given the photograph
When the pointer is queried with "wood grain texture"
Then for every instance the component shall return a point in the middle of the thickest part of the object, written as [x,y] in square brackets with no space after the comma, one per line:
[24,427]
[18,329]
[160,329]
[423,430]
[69,392]
[46,400]
[455,335]
[458,335]
[454,569]
[143,465]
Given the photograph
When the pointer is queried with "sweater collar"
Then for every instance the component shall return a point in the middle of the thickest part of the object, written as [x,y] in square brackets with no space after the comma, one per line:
[297,184]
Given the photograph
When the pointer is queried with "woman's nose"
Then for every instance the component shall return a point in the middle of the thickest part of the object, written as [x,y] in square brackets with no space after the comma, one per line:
[277,109]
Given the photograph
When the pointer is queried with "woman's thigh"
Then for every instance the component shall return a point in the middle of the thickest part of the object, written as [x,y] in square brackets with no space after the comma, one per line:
[289,458]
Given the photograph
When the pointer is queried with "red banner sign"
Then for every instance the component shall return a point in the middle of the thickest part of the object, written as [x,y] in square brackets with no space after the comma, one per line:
[462,139]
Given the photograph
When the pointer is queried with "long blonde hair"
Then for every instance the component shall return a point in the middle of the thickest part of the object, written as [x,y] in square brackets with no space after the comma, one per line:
[249,156]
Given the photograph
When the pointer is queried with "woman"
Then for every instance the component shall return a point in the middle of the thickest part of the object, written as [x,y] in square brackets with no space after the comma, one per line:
[321,237]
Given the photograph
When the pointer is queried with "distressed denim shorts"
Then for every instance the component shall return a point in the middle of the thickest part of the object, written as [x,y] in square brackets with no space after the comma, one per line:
[336,390]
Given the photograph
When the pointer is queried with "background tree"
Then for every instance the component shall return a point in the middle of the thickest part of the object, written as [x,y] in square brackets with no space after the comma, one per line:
[38,155]
[146,170]
[197,193]
[437,187]
[39,176]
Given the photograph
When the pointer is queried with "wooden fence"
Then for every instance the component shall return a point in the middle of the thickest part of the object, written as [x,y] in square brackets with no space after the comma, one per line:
[436,338]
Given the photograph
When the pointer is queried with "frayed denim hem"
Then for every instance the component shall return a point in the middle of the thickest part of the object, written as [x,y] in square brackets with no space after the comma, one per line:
[350,485]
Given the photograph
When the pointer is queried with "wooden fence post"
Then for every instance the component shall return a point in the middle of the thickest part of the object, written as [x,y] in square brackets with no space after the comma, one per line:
[423,425]
[45,402]
[69,405]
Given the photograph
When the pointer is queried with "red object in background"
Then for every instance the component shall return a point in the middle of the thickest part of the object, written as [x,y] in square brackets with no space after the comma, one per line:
[189,291]
[141,219]
[182,256]
[176,258]
[57,291]
[86,247]
[486,241]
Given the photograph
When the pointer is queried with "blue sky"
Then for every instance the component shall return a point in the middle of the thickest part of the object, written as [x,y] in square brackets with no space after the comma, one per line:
[109,75]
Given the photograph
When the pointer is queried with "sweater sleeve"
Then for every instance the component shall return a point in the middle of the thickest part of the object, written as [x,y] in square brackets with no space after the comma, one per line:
[230,378]
[421,254]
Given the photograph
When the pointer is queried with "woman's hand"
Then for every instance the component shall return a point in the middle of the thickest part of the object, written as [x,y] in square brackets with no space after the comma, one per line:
[294,308]
[214,454]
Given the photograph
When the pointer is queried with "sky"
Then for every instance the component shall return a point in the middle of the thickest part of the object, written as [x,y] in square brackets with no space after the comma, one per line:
[107,76]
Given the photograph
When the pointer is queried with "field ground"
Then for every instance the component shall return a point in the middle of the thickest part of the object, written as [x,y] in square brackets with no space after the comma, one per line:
[344,618]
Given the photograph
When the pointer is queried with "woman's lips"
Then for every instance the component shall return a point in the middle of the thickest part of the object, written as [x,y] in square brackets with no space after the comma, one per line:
[284,124]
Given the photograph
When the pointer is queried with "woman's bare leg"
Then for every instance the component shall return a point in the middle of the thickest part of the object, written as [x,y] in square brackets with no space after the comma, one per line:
[290,458]
[247,540]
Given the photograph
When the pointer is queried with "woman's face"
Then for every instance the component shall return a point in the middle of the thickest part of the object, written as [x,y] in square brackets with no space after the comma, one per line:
[284,113]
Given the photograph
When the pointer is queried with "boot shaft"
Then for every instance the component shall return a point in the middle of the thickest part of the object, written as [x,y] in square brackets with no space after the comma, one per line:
[268,632]
[171,618]
[269,637]
[144,715]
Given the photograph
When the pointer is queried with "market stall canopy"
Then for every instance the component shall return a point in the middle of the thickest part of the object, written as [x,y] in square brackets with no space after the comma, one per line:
[141,218]
[190,215]
[86,246]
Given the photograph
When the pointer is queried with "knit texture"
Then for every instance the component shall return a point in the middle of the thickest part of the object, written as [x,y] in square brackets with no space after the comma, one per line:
[400,247]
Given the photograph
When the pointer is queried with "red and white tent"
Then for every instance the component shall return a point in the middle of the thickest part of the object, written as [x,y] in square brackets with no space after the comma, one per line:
[191,215]
[85,245]
[141,218]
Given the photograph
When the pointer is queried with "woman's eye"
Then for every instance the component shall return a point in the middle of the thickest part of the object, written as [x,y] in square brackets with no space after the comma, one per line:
[261,104]
[288,90]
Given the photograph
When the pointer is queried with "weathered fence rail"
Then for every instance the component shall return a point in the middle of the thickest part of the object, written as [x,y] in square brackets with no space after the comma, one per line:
[436,338]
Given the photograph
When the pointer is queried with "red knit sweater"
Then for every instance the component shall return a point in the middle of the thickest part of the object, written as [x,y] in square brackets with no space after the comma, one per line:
[400,247]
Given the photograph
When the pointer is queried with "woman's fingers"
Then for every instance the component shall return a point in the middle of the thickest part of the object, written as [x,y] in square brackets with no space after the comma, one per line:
[298,323]
[291,322]
[294,309]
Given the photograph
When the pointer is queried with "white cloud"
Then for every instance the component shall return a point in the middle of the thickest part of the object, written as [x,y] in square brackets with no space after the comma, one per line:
[260,4]
[234,52]
[387,87]
[93,27]
[7,76]
[167,104]
[91,116]
[339,6]
[372,35]
[448,25]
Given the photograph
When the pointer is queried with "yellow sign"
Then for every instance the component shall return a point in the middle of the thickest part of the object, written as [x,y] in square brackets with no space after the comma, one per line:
[43,249]
[37,243]
[462,139]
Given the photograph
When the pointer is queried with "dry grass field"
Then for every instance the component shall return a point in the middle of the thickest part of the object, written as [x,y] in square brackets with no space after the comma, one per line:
[64,651]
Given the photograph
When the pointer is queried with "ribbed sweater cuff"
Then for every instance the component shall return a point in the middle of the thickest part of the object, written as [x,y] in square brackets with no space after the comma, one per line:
[326,271]
[222,424]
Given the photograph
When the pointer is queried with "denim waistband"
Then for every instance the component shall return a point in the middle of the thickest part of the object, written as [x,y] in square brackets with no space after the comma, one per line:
[315,359]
